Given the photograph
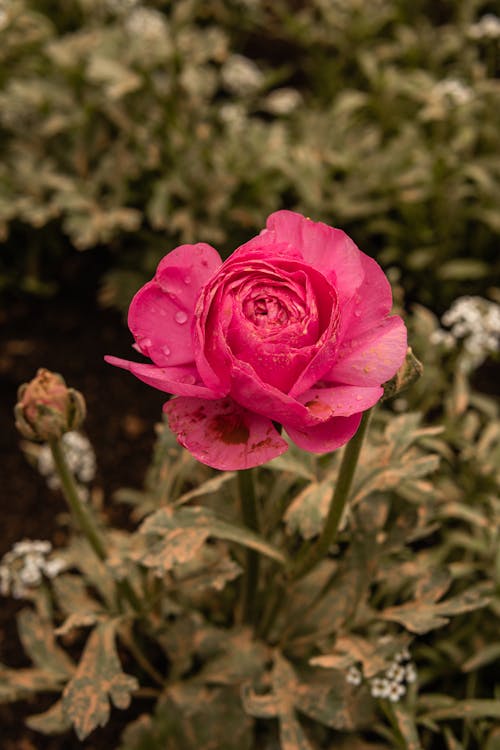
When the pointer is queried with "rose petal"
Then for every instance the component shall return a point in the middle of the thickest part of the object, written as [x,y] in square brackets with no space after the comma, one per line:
[183,272]
[161,313]
[160,327]
[327,436]
[370,304]
[339,400]
[223,435]
[327,249]
[181,381]
[372,358]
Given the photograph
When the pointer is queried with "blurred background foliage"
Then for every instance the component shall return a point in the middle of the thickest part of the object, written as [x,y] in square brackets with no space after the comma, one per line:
[127,128]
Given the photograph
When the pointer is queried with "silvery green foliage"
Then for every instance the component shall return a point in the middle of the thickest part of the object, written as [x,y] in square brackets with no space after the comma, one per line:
[173,121]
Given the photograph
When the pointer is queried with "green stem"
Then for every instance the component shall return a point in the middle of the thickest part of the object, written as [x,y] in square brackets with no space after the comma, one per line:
[79,511]
[251,520]
[308,558]
[84,519]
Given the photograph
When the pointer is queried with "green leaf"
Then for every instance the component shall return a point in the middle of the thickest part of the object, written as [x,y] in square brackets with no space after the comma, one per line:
[466,709]
[53,721]
[280,703]
[307,512]
[420,616]
[183,532]
[16,684]
[99,678]
[37,637]
[349,649]
[406,726]
[207,488]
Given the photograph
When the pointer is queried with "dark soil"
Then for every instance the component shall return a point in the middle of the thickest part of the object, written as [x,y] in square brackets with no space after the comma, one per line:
[70,335]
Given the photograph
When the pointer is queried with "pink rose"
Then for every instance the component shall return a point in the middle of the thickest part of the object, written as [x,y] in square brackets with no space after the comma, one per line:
[293,328]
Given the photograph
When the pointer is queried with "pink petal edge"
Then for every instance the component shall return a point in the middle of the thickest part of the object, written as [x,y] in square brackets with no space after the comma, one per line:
[168,379]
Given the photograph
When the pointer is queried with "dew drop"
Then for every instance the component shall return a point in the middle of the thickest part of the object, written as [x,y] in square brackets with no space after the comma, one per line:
[357,312]
[188,379]
[145,343]
[187,280]
[180,317]
[166,351]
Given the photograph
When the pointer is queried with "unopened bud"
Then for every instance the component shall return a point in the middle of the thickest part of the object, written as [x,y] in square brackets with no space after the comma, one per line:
[47,408]
[410,371]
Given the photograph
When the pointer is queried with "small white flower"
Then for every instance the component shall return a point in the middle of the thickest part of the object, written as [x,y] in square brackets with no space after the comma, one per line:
[79,454]
[379,687]
[53,567]
[411,673]
[396,691]
[354,676]
[147,23]
[453,91]
[488,27]
[282,101]
[241,75]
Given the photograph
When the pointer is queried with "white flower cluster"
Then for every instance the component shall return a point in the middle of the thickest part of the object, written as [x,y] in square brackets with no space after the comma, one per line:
[79,455]
[25,565]
[147,23]
[393,683]
[475,322]
[488,27]
[241,75]
[453,91]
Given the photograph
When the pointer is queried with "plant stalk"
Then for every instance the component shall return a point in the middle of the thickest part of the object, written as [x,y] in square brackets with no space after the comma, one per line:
[310,556]
[251,520]
[84,519]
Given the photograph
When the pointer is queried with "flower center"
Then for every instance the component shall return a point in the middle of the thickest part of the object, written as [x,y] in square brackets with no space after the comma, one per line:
[266,311]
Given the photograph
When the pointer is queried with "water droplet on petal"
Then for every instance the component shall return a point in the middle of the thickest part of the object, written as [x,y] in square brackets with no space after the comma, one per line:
[357,312]
[187,280]
[145,343]
[166,351]
[358,398]
[188,379]
[180,317]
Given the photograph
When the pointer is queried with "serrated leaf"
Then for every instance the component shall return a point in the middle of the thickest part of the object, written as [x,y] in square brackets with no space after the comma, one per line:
[307,511]
[98,680]
[53,721]
[37,637]
[422,616]
[280,704]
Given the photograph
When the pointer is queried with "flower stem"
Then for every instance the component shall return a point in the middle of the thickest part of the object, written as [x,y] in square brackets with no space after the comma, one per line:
[79,511]
[251,520]
[312,555]
[84,519]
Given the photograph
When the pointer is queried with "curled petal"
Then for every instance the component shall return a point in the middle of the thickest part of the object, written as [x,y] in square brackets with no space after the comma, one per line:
[372,358]
[223,435]
[327,436]
[181,381]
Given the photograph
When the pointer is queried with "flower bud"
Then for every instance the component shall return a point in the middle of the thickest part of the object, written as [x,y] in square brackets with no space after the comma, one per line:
[47,408]
[410,371]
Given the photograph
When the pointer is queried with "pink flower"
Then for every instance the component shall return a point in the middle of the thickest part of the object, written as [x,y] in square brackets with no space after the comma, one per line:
[293,328]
